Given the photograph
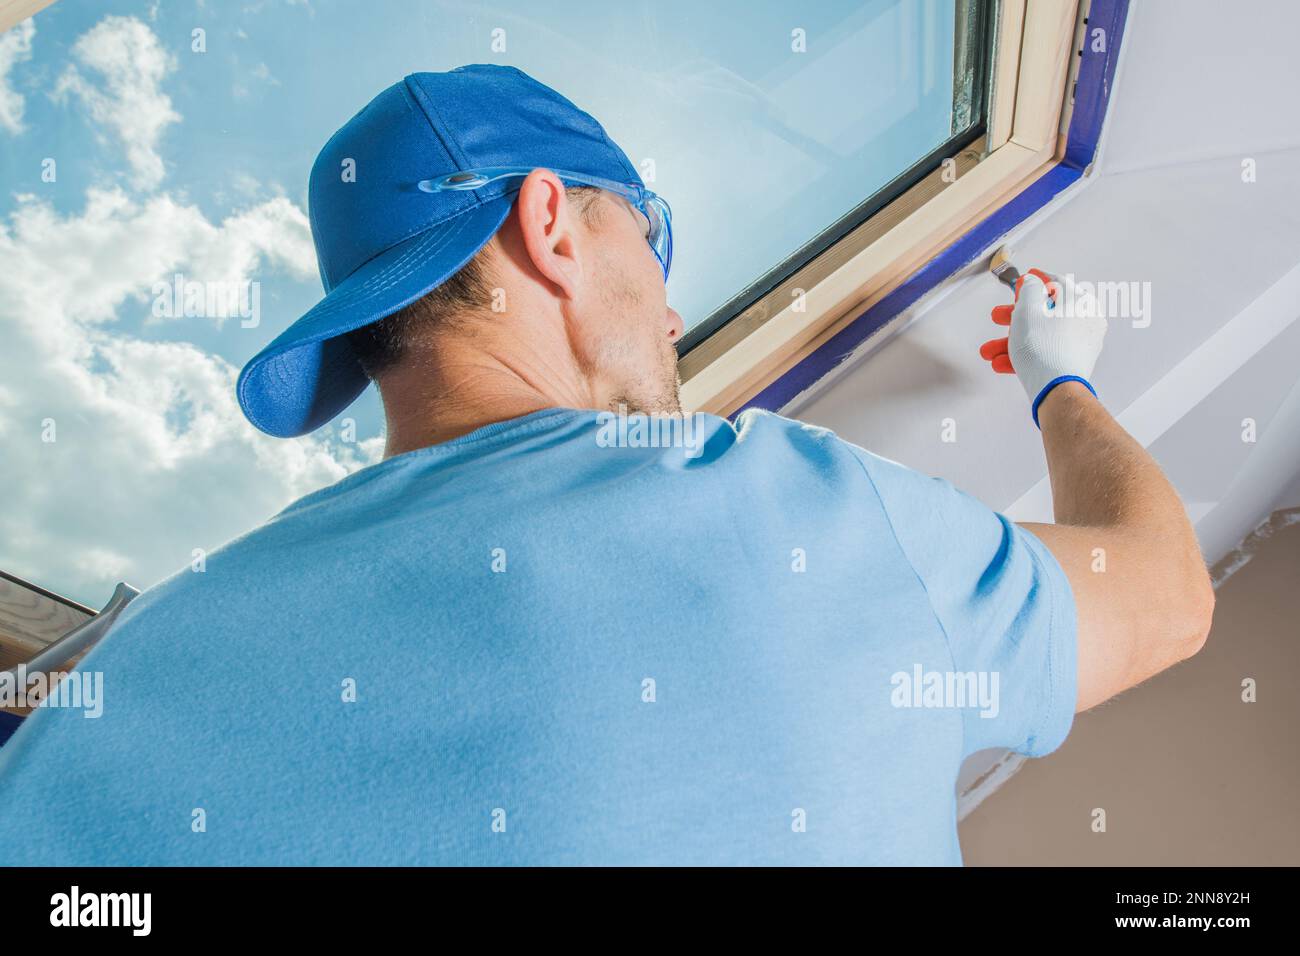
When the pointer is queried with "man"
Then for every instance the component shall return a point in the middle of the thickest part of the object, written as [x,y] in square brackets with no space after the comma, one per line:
[517,640]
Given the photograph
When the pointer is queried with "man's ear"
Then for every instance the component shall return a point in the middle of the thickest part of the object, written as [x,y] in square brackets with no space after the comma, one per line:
[546,223]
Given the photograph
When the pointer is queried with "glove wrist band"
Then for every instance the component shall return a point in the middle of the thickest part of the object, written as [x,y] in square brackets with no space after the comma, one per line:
[1051,385]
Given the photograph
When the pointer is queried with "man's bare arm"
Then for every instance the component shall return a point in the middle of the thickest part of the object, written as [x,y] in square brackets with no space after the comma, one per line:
[1152,605]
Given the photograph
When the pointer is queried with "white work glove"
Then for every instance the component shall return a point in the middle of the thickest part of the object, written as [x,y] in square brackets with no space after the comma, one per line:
[1056,335]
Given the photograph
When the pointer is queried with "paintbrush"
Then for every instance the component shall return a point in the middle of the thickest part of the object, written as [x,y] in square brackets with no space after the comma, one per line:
[1001,267]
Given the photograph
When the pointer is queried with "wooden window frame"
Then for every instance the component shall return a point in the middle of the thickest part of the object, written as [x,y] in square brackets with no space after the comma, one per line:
[1032,64]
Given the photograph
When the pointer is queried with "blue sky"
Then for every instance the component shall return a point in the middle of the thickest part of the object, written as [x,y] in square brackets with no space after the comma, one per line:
[170,160]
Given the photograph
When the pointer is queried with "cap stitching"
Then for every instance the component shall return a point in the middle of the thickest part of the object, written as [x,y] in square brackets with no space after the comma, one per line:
[388,278]
[423,227]
[427,107]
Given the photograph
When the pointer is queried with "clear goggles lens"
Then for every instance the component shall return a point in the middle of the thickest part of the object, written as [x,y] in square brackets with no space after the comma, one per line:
[661,230]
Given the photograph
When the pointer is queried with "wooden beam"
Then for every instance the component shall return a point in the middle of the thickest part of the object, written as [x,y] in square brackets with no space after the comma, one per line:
[30,619]
[13,12]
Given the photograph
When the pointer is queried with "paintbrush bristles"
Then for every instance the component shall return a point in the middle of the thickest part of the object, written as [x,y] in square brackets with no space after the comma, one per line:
[1001,267]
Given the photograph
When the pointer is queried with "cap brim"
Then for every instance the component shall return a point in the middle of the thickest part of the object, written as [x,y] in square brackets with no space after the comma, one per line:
[308,374]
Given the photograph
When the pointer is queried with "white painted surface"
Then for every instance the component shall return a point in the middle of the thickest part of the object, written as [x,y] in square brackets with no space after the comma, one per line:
[1202,87]
[1208,78]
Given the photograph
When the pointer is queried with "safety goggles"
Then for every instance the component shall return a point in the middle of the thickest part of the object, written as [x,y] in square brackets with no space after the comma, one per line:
[650,205]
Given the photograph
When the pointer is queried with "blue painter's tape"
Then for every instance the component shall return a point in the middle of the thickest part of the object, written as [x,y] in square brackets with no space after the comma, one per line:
[8,724]
[1091,97]
[1096,78]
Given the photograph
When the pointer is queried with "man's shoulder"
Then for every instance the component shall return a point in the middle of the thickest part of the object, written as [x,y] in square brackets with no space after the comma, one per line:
[759,423]
[897,487]
[244,570]
[758,428]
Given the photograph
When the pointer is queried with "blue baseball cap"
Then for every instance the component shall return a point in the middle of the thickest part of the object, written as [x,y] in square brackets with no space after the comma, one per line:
[382,242]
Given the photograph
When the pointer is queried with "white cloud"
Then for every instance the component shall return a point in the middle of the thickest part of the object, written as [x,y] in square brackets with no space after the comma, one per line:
[152,456]
[246,185]
[263,73]
[126,98]
[102,563]
[15,48]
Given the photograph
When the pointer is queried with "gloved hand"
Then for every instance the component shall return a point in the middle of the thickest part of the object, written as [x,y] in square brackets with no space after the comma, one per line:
[1055,336]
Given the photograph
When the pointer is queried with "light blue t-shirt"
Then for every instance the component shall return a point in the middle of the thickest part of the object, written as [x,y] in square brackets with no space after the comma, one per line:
[538,645]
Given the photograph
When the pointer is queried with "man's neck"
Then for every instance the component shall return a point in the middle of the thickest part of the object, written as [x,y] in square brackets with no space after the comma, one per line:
[453,423]
[428,405]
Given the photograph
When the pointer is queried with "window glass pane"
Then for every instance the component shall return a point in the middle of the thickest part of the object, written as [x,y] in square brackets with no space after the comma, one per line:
[759,147]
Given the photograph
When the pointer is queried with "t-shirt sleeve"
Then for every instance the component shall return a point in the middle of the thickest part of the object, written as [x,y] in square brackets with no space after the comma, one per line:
[1002,600]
